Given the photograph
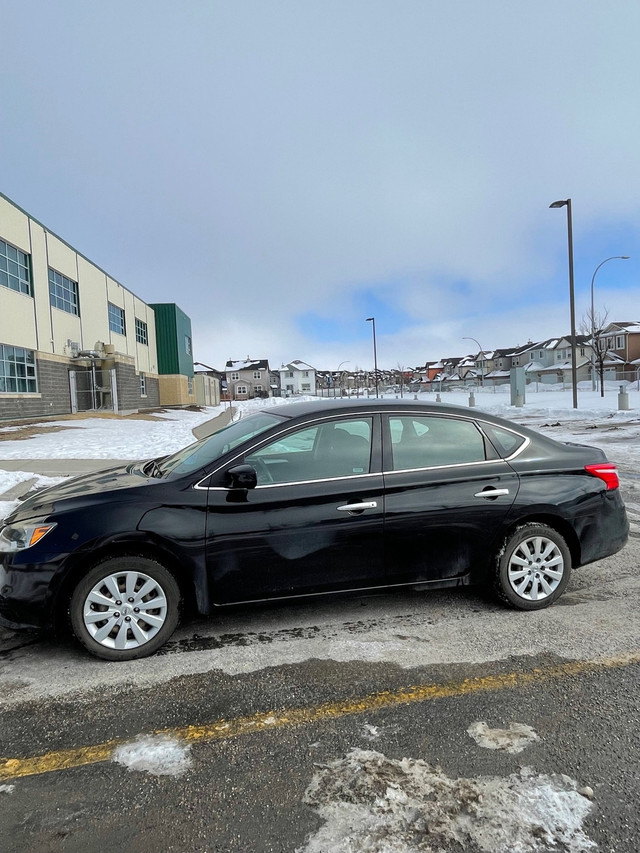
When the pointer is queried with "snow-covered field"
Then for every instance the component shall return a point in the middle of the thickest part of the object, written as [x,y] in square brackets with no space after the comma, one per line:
[597,421]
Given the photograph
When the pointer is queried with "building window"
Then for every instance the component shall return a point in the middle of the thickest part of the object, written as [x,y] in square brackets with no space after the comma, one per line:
[141,332]
[18,370]
[290,374]
[305,373]
[63,293]
[619,341]
[241,390]
[116,319]
[187,344]
[306,386]
[15,271]
[143,385]
[257,389]
[257,374]
[235,376]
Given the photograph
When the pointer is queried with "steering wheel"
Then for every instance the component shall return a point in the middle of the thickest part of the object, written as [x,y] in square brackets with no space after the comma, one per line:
[262,470]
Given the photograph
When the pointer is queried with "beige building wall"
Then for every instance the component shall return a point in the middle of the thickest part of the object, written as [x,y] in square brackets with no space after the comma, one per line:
[34,324]
[174,390]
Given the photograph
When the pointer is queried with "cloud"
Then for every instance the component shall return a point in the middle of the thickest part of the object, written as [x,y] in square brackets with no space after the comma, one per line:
[260,163]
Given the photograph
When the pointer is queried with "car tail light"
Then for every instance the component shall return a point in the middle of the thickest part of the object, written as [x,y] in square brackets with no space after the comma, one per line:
[605,471]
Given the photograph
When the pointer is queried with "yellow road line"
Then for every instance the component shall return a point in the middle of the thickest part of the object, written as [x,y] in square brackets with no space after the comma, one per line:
[15,768]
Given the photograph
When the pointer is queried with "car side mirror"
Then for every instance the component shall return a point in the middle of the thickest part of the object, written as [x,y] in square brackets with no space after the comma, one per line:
[242,477]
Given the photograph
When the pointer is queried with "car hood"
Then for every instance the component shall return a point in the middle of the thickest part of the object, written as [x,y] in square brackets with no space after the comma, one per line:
[80,491]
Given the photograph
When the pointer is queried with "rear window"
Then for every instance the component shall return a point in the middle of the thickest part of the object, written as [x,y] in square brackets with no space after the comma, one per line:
[504,441]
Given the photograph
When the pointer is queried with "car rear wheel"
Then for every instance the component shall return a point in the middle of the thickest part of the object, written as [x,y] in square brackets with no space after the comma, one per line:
[533,567]
[125,608]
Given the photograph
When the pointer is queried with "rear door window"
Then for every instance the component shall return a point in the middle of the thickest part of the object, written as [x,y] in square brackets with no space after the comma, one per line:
[430,441]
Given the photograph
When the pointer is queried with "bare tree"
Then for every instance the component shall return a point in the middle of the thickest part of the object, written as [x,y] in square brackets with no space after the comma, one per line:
[594,326]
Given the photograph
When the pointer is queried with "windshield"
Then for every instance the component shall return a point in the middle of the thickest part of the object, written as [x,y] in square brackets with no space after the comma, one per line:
[207,450]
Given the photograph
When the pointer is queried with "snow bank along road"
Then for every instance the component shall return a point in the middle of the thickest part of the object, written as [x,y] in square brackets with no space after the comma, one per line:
[397,723]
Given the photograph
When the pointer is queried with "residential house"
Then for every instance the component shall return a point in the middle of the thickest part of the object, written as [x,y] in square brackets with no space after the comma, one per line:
[248,379]
[623,350]
[297,377]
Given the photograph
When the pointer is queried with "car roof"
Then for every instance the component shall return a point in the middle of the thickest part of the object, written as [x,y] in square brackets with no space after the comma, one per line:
[347,405]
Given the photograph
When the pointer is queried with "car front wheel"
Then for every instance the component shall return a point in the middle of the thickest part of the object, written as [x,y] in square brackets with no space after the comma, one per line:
[533,567]
[125,608]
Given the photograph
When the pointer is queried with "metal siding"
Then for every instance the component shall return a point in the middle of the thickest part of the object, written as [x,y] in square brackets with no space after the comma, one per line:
[166,338]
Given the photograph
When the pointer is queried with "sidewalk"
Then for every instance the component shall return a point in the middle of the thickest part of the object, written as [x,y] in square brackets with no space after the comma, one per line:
[75,467]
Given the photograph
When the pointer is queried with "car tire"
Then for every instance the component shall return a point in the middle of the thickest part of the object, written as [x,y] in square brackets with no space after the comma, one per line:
[532,567]
[125,608]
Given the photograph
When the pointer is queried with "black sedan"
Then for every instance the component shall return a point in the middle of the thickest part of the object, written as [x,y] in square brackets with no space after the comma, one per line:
[304,499]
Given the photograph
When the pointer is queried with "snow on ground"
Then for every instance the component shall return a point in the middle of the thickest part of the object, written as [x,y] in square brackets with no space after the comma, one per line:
[374,804]
[155,754]
[110,438]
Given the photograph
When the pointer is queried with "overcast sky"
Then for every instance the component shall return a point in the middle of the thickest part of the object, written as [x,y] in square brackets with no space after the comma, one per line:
[284,170]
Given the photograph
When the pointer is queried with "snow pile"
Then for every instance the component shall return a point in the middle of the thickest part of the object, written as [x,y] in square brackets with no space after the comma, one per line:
[374,804]
[158,754]
[514,739]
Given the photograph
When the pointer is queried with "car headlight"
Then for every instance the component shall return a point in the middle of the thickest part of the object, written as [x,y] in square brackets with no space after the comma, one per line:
[17,537]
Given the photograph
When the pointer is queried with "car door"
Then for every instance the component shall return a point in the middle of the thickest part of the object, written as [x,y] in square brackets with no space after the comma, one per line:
[447,494]
[313,523]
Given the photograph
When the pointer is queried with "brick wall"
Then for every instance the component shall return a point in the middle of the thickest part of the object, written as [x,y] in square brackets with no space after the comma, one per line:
[54,397]
[128,381]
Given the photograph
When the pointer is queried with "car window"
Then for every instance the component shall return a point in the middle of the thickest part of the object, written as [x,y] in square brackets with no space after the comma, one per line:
[207,450]
[505,441]
[425,442]
[340,448]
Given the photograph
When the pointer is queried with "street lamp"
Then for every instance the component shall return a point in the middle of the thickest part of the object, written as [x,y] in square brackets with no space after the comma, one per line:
[375,352]
[338,372]
[574,371]
[482,354]
[593,317]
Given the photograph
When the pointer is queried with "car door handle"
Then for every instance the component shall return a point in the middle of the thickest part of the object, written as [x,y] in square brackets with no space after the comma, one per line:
[358,507]
[491,493]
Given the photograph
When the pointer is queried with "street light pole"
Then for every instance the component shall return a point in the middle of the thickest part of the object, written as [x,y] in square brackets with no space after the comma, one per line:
[338,377]
[482,354]
[593,317]
[572,308]
[375,352]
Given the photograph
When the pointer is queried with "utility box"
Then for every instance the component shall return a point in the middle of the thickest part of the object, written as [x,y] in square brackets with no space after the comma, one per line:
[518,384]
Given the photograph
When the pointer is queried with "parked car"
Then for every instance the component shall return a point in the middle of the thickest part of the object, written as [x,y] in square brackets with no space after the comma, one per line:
[304,499]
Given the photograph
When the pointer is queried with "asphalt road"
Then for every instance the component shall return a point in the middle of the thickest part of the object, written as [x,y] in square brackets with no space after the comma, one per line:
[321,727]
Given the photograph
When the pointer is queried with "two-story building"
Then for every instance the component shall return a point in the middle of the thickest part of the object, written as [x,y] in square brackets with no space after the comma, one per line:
[248,379]
[72,337]
[297,377]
